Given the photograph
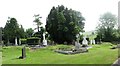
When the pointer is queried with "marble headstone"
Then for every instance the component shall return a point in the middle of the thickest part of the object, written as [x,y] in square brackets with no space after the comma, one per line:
[44,40]
[90,41]
[93,41]
[77,45]
[16,41]
[84,42]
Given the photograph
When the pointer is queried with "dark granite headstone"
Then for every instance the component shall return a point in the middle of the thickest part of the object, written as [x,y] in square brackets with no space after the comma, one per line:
[23,53]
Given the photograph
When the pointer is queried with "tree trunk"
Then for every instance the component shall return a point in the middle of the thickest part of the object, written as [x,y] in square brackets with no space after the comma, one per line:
[38,28]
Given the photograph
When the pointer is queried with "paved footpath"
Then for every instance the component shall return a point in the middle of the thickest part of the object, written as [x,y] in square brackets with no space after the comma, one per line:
[116,63]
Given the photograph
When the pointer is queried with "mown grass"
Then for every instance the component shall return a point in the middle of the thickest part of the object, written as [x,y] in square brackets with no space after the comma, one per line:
[99,54]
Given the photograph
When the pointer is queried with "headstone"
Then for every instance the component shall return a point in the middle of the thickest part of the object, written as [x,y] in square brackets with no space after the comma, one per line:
[77,45]
[84,42]
[100,41]
[90,41]
[93,41]
[16,41]
[23,53]
[19,42]
[44,40]
[53,42]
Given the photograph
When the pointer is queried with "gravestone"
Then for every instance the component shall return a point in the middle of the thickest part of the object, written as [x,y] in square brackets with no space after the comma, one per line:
[93,41]
[84,42]
[77,45]
[90,41]
[53,43]
[44,40]
[23,53]
[19,42]
[16,41]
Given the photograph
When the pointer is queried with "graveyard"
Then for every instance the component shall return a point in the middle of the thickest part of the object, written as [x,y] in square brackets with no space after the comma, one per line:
[63,39]
[39,49]
[99,54]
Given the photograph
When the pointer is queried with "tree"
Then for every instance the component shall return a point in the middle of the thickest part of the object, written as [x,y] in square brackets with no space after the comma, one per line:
[40,33]
[29,32]
[106,26]
[7,33]
[21,32]
[63,24]
[11,30]
[116,34]
[37,21]
[1,35]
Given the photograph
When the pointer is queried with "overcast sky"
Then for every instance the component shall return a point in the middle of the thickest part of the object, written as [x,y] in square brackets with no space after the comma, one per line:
[23,10]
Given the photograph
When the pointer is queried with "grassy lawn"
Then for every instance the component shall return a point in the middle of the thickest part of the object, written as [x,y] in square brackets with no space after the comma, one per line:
[99,54]
[0,58]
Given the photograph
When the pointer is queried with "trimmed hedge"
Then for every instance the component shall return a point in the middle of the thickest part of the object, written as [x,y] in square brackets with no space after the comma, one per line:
[33,41]
[23,41]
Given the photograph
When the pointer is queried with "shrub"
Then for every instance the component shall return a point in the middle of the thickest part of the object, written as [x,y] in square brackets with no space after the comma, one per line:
[33,41]
[23,41]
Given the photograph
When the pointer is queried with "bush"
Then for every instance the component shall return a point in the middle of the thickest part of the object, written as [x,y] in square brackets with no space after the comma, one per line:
[33,41]
[23,41]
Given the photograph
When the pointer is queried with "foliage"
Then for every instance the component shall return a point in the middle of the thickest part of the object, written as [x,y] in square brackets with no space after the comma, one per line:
[21,32]
[63,24]
[33,38]
[12,30]
[40,33]
[23,41]
[40,29]
[37,21]
[29,32]
[106,27]
[33,41]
